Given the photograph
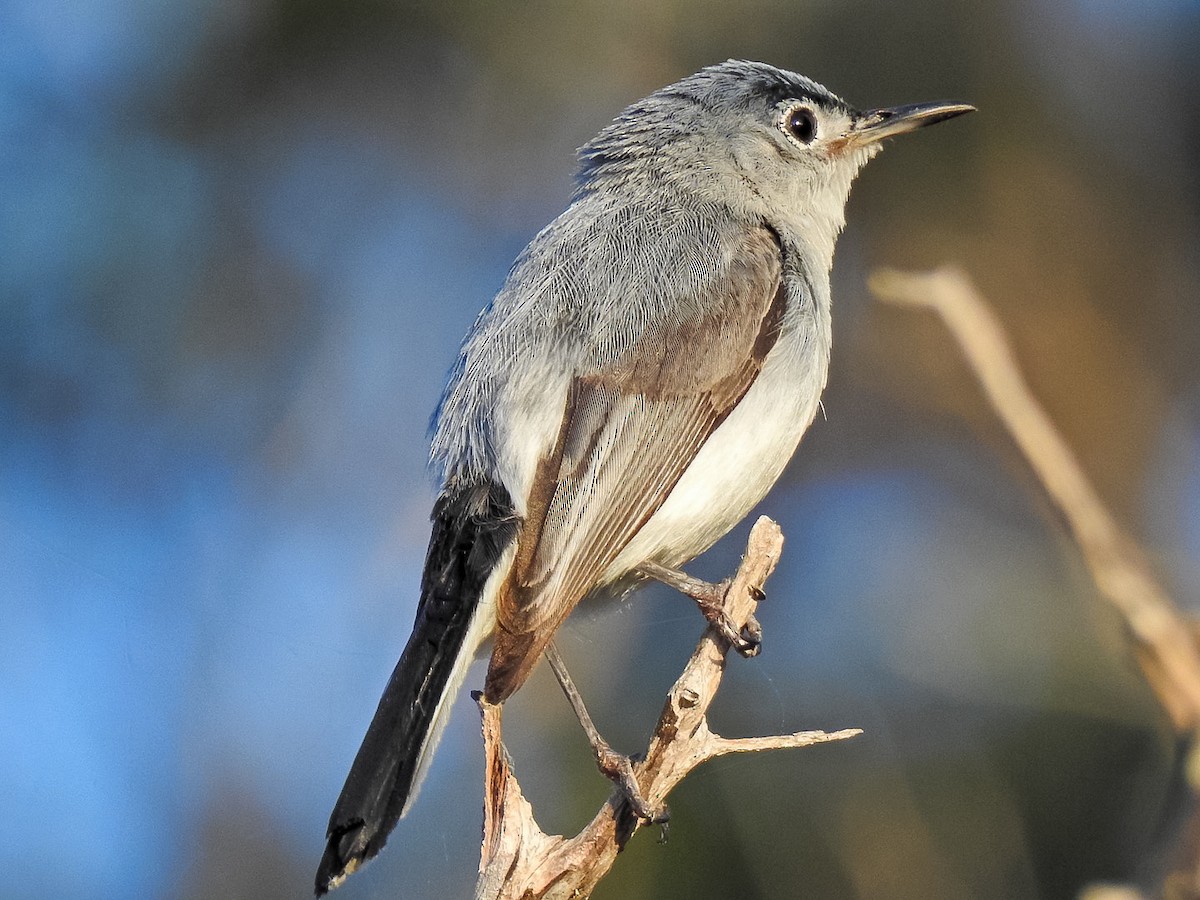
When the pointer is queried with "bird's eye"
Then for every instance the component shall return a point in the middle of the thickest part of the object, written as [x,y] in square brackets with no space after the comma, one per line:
[800,123]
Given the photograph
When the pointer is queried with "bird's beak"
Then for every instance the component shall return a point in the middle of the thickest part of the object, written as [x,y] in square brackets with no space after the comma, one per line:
[873,126]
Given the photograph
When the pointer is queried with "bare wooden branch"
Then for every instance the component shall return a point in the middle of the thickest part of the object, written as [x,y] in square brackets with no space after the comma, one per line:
[1164,636]
[520,862]
[1111,892]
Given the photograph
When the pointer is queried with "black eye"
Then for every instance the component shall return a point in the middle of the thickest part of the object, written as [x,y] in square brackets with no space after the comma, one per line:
[801,124]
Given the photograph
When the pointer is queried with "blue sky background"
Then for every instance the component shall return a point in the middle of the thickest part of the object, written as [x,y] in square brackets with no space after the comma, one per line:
[239,244]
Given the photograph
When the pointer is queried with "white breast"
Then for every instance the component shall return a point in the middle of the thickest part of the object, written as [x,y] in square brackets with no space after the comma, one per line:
[746,455]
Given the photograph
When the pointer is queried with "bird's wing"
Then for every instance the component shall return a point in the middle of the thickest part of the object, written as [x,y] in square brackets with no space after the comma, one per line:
[630,429]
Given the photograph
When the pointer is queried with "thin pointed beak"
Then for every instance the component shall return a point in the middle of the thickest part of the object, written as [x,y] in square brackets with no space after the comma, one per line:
[874,125]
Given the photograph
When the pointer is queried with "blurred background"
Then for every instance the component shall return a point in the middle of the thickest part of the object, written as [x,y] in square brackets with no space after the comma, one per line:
[239,243]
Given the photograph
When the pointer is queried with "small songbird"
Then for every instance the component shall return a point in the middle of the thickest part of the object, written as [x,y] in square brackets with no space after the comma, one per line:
[636,387]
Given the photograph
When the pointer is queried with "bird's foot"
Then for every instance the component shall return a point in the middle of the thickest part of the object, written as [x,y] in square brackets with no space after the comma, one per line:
[614,766]
[710,598]
[618,768]
[747,640]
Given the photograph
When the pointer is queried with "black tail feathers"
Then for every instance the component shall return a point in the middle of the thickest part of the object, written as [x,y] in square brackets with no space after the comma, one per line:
[472,526]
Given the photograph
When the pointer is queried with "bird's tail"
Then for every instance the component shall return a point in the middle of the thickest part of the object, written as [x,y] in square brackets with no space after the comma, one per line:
[472,528]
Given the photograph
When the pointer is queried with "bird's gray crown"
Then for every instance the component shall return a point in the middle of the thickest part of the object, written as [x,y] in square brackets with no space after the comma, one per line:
[736,83]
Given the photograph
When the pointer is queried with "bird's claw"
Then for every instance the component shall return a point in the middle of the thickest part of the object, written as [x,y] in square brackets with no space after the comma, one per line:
[618,768]
[747,640]
[749,643]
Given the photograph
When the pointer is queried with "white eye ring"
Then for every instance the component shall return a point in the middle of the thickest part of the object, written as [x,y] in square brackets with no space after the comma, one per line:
[799,123]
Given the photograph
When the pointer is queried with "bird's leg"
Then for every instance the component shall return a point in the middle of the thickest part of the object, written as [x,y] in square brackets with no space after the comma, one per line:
[746,640]
[615,766]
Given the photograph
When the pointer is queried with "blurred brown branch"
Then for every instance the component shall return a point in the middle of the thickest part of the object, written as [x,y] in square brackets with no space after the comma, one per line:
[520,862]
[1164,638]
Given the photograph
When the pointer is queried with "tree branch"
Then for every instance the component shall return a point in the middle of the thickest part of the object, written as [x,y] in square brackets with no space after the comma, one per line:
[1167,649]
[520,862]
[1164,638]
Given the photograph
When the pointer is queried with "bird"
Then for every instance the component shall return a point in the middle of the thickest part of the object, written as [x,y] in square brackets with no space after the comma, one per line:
[637,385]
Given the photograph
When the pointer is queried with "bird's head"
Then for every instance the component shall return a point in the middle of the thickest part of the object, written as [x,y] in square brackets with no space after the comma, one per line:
[770,143]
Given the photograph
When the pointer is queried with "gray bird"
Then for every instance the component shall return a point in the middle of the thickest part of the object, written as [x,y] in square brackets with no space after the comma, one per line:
[636,387]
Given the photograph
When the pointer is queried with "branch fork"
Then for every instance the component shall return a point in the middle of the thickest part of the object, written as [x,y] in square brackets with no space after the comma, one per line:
[520,862]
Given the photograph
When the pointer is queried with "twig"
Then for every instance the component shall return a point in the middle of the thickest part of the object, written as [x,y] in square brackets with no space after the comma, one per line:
[1164,638]
[1168,653]
[520,862]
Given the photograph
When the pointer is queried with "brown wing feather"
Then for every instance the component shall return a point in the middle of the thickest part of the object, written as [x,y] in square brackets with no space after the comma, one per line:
[630,430]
